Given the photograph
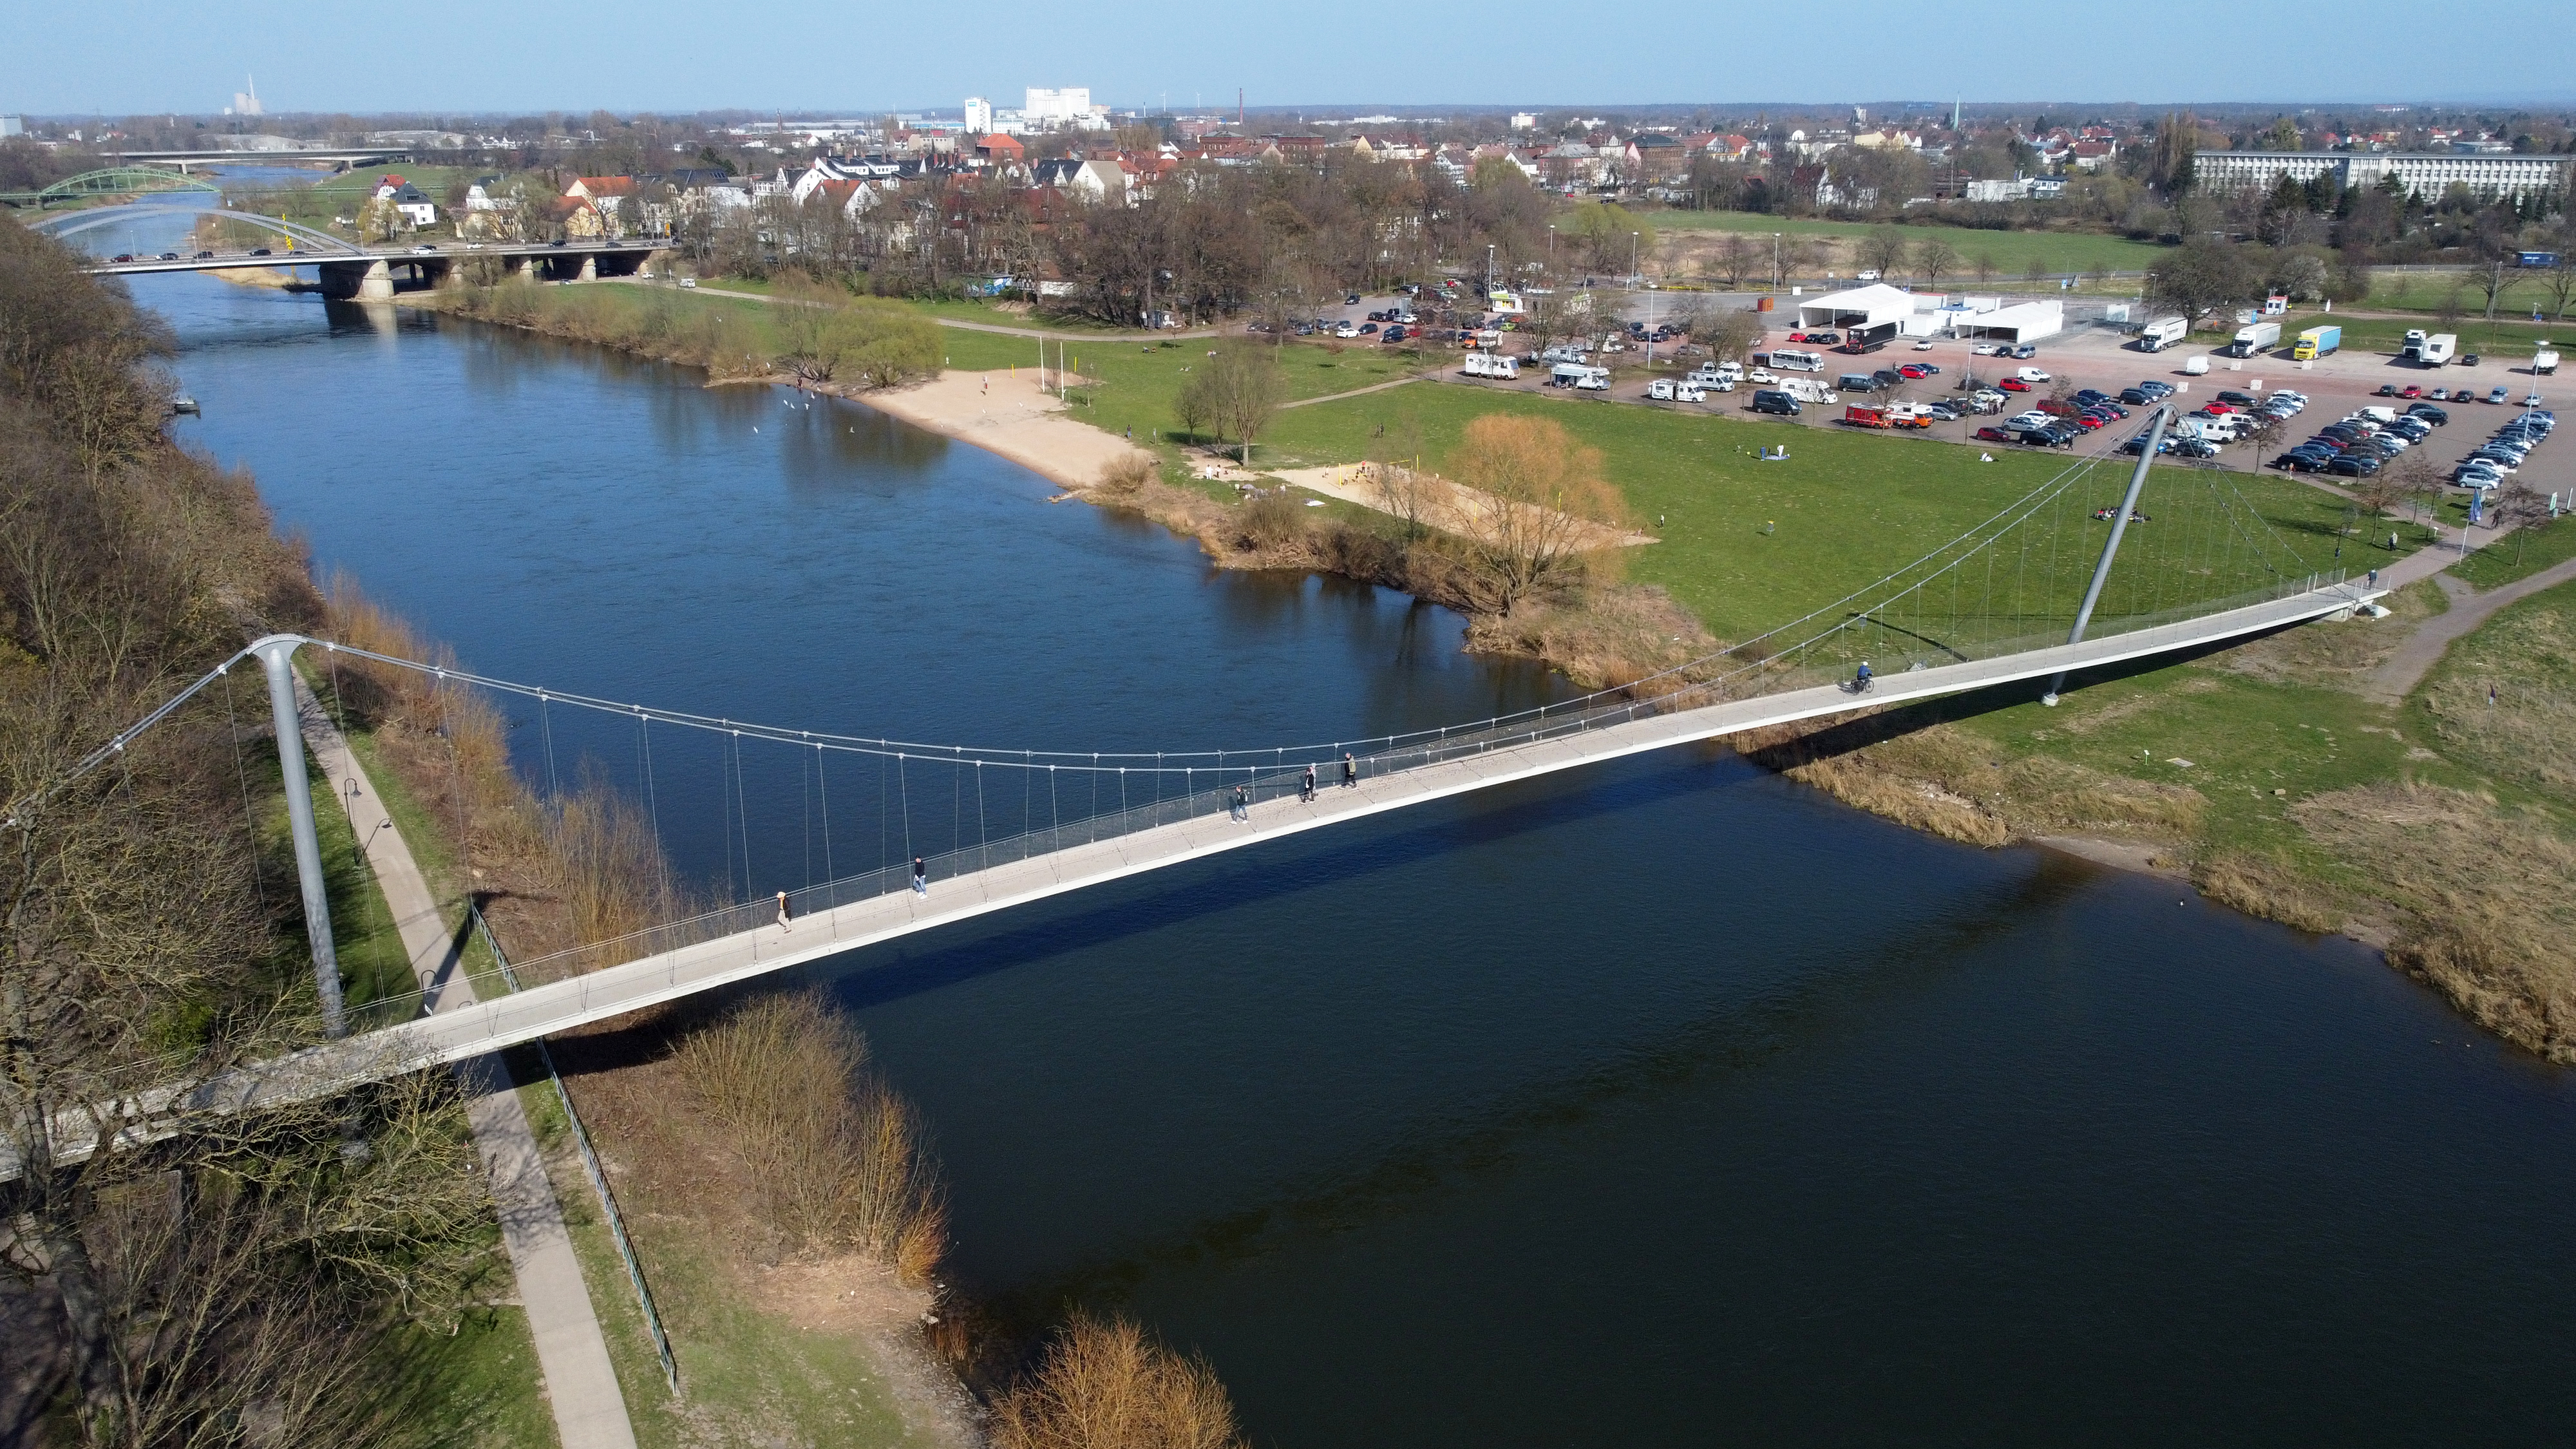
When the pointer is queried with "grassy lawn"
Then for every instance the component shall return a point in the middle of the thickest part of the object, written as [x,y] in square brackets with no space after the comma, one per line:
[2057,252]
[480,1384]
[2523,553]
[2428,291]
[2505,343]
[1748,545]
[1139,376]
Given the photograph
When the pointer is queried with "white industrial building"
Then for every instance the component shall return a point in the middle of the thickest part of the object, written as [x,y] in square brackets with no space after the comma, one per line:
[2420,174]
[1875,310]
[2018,323]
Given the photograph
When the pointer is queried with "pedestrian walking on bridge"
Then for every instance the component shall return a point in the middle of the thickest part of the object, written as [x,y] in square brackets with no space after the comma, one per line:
[782,911]
[920,877]
[1350,771]
[1306,790]
[1242,807]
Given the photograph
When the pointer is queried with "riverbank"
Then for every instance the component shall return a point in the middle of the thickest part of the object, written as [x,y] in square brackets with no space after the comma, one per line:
[1976,770]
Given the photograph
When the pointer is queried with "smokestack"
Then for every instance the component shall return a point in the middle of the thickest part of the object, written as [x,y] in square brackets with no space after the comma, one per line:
[1238,105]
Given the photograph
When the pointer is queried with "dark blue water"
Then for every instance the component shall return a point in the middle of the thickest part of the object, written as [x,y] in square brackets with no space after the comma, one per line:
[1662,1102]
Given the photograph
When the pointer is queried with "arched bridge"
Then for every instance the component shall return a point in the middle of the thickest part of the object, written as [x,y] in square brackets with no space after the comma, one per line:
[113,181]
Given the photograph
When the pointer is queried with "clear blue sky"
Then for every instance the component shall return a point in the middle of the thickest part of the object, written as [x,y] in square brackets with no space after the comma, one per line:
[118,56]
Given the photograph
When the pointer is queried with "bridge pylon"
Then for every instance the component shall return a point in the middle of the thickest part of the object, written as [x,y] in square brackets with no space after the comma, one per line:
[276,655]
[2111,549]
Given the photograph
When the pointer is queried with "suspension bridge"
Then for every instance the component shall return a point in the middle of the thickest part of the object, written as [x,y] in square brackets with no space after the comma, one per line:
[2009,600]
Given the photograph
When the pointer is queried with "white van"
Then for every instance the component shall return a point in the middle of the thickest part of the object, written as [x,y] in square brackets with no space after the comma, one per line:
[2196,366]
[2031,374]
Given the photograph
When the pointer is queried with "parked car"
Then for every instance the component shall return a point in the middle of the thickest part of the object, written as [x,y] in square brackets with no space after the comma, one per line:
[1985,349]
[1771,400]
[2157,389]
[2025,352]
[1993,435]
[1395,333]
[2410,391]
[1913,371]
[1924,345]
[2031,374]
[1866,274]
[2013,384]
[2468,359]
[2237,399]
[2497,395]
[2135,397]
[2351,465]
[2439,394]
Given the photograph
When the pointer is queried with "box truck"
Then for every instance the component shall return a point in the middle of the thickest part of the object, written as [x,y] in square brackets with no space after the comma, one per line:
[2317,342]
[2162,333]
[2544,362]
[2256,337]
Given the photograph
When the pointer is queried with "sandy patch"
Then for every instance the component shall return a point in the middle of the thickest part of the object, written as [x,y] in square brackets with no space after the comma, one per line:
[1446,506]
[1008,415]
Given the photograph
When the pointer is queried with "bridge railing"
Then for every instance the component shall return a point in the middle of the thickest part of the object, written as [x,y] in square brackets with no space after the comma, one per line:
[1206,793]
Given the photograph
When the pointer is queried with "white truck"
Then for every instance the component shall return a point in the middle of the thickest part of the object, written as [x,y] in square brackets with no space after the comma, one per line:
[2162,333]
[1491,364]
[2435,350]
[2544,362]
[2257,337]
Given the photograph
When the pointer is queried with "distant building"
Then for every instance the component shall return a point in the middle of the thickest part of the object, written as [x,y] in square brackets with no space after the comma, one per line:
[979,116]
[1524,120]
[1067,109]
[246,102]
[416,208]
[12,126]
[2426,174]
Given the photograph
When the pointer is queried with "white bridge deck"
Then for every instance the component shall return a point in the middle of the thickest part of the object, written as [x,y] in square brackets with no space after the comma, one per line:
[465,1030]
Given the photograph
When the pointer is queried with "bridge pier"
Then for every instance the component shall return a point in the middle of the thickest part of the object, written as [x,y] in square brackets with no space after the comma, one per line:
[368,281]
[589,268]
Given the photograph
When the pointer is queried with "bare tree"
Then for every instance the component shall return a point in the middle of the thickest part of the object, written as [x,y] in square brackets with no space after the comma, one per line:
[1985,267]
[1934,258]
[1736,257]
[1883,251]
[1545,507]
[1239,389]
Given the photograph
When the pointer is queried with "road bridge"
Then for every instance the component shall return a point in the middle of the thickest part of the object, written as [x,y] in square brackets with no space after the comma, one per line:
[347,269]
[340,158]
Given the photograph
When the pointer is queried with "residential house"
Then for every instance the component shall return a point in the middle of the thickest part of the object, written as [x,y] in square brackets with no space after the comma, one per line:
[1651,156]
[416,209]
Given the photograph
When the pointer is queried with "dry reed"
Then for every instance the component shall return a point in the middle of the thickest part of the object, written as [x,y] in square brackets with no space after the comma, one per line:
[842,1160]
[1104,1384]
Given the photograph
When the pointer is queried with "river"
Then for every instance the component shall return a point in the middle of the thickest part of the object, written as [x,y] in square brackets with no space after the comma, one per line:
[1659,1102]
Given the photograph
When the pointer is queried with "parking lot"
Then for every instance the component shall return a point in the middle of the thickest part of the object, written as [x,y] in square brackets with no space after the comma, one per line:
[2106,360]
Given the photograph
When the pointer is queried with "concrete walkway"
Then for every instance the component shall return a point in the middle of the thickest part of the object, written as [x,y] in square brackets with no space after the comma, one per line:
[572,1355]
[2394,680]
[1307,402]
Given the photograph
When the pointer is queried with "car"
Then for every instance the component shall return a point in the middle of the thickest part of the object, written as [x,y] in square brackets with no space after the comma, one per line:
[204,257]
[2157,389]
[2532,401]
[1923,346]
[1762,376]
[1774,401]
[558,241]
[122,257]
[1941,413]
[1866,274]
[2468,359]
[688,281]
[1993,435]
[1985,349]
[1913,371]
[2236,399]
[2111,410]
[1888,377]
[2352,466]
[2439,394]
[2091,395]
[169,256]
[2438,417]
[2212,410]
[2087,421]
[2195,448]
[423,247]
[1829,339]
[2386,389]
[1346,330]
[1797,336]
[2013,384]
[2025,352]
[1367,328]
[2135,397]
[1352,300]
[2498,395]
[2295,461]
[259,251]
[1931,369]
[2031,374]
[1395,333]
[2410,392]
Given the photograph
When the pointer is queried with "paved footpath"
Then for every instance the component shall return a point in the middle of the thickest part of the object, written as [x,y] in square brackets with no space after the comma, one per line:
[581,1386]
[2394,680]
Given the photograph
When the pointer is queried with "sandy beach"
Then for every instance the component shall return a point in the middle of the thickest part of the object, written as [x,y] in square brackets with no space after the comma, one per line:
[1008,415]
[1446,506]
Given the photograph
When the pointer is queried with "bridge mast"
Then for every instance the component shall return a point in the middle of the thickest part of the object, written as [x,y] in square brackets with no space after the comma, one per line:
[276,653]
[2111,550]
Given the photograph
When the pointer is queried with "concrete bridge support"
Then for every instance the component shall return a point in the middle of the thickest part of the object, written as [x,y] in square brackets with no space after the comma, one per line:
[369,281]
[589,268]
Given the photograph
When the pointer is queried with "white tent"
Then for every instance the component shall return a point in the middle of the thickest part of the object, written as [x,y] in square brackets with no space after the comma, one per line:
[1876,305]
[2021,322]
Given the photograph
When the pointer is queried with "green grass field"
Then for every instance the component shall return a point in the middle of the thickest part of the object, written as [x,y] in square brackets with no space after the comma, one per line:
[2430,291]
[2502,345]
[2058,253]
[1748,545]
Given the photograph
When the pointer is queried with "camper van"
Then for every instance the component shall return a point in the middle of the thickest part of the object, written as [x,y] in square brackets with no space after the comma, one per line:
[1722,376]
[1493,365]
[1676,389]
[1577,375]
[1809,390]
